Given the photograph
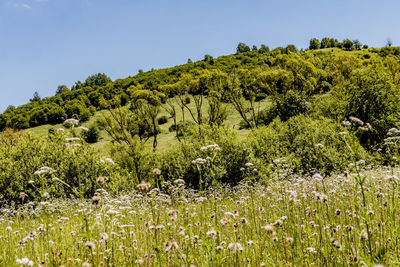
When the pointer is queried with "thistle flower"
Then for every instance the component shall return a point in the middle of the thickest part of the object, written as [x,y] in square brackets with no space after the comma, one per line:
[144,187]
[46,195]
[157,171]
[139,261]
[170,246]
[90,245]
[102,179]
[22,195]
[179,182]
[235,247]
[160,227]
[173,215]
[212,233]
[8,229]
[289,239]
[96,199]
[269,229]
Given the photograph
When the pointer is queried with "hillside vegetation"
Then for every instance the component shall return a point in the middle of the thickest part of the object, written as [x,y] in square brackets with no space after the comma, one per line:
[261,158]
[319,110]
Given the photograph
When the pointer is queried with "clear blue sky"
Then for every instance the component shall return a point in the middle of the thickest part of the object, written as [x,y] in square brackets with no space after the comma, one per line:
[45,43]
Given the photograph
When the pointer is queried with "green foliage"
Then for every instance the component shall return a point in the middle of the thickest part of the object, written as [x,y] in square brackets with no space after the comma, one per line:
[348,44]
[373,98]
[242,48]
[233,154]
[92,134]
[99,79]
[76,168]
[307,144]
[314,44]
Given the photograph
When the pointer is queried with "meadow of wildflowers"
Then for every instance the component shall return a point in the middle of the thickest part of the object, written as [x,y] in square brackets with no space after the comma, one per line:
[67,205]
[345,220]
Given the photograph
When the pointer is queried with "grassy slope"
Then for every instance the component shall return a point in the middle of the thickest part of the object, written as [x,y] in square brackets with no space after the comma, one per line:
[166,138]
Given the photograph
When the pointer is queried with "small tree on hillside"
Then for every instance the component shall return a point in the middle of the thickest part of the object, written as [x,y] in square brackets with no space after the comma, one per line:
[348,44]
[242,48]
[314,44]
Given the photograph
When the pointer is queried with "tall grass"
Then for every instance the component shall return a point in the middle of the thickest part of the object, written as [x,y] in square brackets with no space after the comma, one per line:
[300,221]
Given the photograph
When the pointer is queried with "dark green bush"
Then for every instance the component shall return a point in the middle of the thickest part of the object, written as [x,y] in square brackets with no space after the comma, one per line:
[260,96]
[162,120]
[92,135]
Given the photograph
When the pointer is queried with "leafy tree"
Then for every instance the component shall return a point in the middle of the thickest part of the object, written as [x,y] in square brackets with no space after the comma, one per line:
[208,58]
[357,44]
[98,79]
[373,98]
[314,44]
[348,44]
[19,121]
[242,48]
[146,106]
[290,49]
[263,49]
[38,117]
[254,48]
[36,97]
[56,114]
[61,89]
[325,42]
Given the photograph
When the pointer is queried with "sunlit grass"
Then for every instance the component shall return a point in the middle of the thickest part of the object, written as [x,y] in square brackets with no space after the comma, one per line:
[285,221]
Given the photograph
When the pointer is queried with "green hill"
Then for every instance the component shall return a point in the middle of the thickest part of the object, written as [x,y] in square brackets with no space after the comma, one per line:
[318,82]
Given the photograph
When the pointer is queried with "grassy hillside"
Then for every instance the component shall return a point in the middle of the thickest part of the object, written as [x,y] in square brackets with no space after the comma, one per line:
[167,138]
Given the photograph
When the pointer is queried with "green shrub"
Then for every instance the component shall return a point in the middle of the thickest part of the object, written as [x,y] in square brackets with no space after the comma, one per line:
[187,100]
[162,120]
[77,168]
[307,144]
[91,135]
[177,162]
[260,96]
[184,128]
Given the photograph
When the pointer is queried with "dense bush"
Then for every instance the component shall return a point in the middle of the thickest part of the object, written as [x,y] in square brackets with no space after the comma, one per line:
[226,162]
[308,145]
[76,166]
[91,135]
